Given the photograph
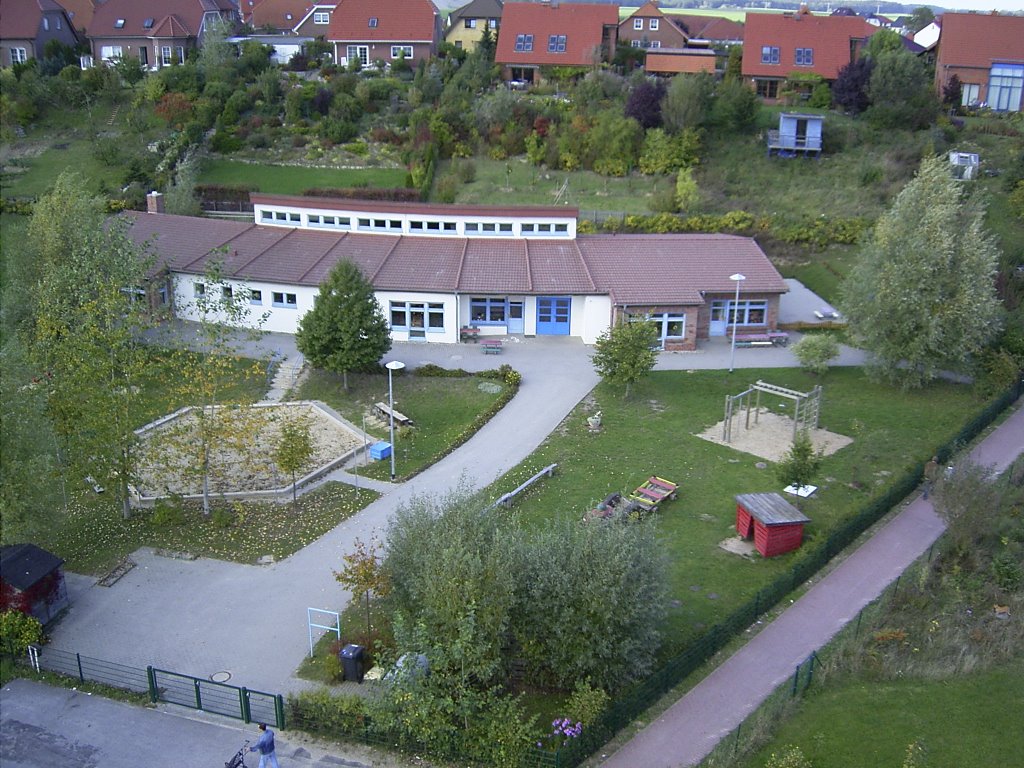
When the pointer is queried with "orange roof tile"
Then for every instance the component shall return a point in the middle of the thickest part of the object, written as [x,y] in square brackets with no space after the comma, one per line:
[582,25]
[979,40]
[834,40]
[384,21]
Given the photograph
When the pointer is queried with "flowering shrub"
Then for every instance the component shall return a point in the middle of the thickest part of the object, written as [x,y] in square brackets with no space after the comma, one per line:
[563,730]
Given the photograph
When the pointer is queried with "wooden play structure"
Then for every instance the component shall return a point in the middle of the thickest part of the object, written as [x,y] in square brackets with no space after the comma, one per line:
[806,407]
[642,501]
[776,525]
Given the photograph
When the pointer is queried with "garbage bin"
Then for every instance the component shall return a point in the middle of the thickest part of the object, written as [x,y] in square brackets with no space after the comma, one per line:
[352,662]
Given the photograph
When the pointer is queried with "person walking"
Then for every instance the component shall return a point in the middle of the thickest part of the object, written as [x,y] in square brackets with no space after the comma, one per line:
[265,746]
[931,474]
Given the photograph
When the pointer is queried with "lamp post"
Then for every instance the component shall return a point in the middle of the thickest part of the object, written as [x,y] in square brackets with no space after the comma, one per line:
[737,278]
[393,366]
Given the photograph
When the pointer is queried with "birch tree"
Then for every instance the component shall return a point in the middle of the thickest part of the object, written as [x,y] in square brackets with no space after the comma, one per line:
[921,297]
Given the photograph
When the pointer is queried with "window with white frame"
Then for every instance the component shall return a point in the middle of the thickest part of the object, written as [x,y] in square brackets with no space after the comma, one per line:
[654,24]
[742,312]
[769,54]
[321,17]
[486,310]
[668,325]
[970,94]
[46,23]
[111,52]
[360,53]
[165,56]
[470,23]
[119,24]
[634,43]
[655,44]
[398,51]
[373,22]
[410,315]
[181,54]
[638,23]
[19,55]
[556,43]
[1005,85]
[524,43]
[804,57]
[255,296]
[285,300]
[492,23]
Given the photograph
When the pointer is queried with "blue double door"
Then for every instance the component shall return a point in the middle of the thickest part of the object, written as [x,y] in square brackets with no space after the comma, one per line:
[553,315]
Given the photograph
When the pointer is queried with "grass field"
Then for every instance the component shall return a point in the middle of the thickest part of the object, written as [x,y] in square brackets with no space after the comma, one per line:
[516,182]
[295,179]
[964,722]
[443,410]
[653,434]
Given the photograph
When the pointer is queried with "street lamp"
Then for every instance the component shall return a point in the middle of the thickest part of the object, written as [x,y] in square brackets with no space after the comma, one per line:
[737,278]
[393,366]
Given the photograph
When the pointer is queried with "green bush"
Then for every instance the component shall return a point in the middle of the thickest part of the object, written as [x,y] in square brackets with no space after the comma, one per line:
[815,351]
[447,188]
[168,512]
[18,631]
[321,712]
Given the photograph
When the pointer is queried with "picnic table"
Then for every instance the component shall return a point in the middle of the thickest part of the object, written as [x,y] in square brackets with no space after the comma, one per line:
[491,346]
[469,333]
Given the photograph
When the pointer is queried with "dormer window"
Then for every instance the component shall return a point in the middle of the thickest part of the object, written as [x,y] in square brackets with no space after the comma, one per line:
[147,24]
[321,17]
[373,22]
[119,24]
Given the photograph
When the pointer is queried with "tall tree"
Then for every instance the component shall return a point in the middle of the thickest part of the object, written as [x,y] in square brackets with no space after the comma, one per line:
[687,102]
[850,89]
[920,18]
[644,103]
[921,296]
[346,329]
[625,353]
[900,91]
[90,307]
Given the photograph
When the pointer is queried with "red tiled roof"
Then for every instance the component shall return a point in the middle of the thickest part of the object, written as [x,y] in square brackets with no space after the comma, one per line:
[708,27]
[279,14]
[634,269]
[79,11]
[21,19]
[582,24]
[676,269]
[829,36]
[185,17]
[979,40]
[397,21]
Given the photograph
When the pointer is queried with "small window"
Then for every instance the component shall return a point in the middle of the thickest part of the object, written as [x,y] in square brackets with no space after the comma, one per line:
[654,24]
[119,24]
[280,216]
[505,228]
[805,57]
[364,223]
[543,227]
[562,228]
[470,23]
[46,23]
[492,23]
[655,43]
[769,54]
[321,17]
[295,217]
[529,228]
[488,227]
[634,43]
[373,22]
[199,289]
[227,292]
[472,227]
[434,226]
[416,226]
[638,23]
[267,215]
[524,43]
[449,226]
[147,23]
[255,297]
[556,44]
[285,300]
[399,51]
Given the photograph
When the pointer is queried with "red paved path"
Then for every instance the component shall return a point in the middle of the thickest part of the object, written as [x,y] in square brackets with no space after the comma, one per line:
[685,733]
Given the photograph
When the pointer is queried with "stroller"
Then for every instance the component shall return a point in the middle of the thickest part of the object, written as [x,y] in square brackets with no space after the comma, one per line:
[238,759]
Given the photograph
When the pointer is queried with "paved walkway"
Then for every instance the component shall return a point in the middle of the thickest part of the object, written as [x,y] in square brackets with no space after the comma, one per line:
[685,733]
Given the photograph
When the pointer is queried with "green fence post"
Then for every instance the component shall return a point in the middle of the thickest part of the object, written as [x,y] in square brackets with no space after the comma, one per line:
[279,710]
[243,700]
[154,692]
[199,696]
[736,744]
[796,680]
[810,671]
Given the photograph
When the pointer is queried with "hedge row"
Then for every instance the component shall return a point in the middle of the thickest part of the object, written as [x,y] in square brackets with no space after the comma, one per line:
[393,194]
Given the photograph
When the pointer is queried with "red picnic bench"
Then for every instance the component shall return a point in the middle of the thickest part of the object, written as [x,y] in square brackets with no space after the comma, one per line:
[491,346]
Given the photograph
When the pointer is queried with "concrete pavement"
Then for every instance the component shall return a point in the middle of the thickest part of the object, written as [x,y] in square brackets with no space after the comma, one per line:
[688,730]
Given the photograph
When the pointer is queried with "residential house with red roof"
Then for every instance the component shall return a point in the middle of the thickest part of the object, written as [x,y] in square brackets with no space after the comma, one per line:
[466,25]
[713,30]
[438,268]
[986,52]
[371,31]
[648,28]
[288,17]
[160,33]
[80,12]
[26,26]
[534,35]
[774,45]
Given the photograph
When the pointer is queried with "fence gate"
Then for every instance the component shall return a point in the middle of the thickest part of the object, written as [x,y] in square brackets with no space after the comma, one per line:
[219,698]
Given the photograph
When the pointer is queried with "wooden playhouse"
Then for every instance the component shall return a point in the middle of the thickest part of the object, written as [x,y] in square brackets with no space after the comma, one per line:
[776,525]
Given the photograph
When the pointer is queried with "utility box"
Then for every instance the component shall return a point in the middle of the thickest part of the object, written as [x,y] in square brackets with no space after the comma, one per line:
[352,662]
[379,451]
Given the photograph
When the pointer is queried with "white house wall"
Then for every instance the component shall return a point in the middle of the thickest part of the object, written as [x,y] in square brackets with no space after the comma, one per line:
[278,319]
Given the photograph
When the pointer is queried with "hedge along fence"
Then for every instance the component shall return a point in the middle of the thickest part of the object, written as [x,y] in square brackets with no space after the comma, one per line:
[817,231]
[25,206]
[320,712]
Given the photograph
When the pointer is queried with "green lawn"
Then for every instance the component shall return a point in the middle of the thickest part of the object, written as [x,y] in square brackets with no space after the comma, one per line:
[963,722]
[294,179]
[653,434]
[443,410]
[516,182]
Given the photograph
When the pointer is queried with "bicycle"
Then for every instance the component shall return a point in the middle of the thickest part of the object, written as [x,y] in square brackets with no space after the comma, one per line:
[238,759]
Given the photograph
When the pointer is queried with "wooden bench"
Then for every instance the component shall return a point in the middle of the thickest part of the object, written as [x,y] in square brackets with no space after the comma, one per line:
[469,333]
[767,339]
[491,346]
[387,413]
[506,499]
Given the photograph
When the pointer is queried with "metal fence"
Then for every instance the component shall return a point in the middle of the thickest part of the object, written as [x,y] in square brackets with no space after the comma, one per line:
[162,685]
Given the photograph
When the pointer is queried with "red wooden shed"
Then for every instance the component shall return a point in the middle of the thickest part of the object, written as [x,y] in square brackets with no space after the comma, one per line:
[776,525]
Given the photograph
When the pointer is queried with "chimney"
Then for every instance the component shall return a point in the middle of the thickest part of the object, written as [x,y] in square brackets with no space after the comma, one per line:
[154,202]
